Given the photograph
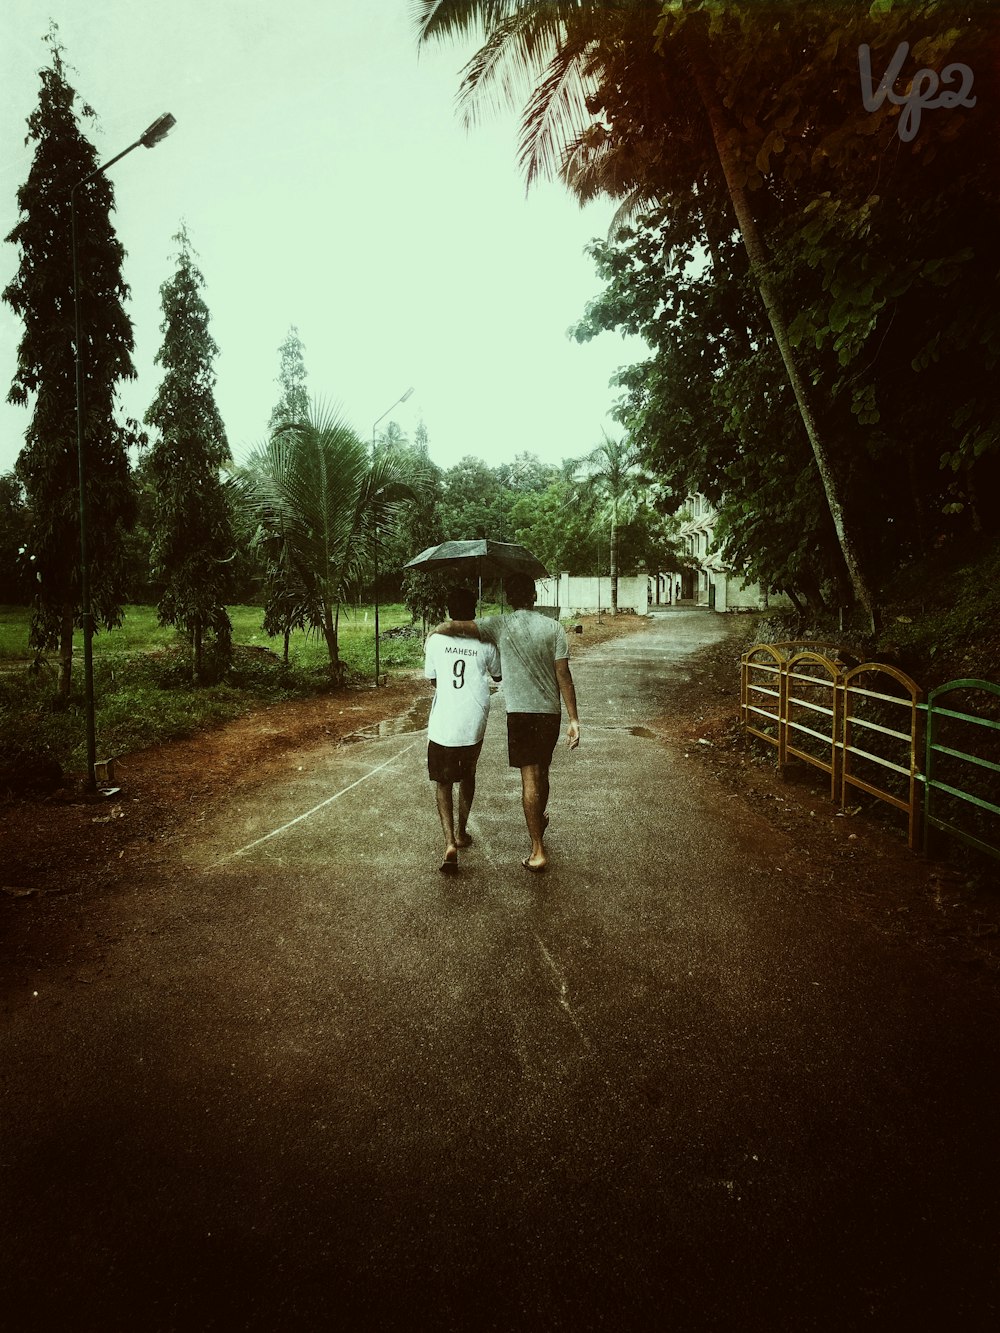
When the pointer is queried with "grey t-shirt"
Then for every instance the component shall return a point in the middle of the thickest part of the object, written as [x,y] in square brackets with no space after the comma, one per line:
[530,645]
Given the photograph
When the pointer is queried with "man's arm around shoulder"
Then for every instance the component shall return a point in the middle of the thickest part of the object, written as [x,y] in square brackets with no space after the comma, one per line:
[458,629]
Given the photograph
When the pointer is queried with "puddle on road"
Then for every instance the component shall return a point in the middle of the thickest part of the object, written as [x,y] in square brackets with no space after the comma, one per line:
[414,720]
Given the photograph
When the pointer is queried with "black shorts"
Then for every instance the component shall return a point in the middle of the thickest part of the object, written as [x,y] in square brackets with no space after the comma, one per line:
[531,738]
[452,763]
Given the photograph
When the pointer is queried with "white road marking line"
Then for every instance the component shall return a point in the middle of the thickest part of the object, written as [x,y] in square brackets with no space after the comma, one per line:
[335,797]
[564,1003]
[486,847]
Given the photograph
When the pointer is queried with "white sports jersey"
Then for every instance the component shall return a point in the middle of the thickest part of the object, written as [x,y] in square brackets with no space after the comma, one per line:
[462,669]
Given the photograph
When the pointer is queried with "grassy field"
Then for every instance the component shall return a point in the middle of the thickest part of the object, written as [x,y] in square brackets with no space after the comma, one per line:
[142,686]
[140,633]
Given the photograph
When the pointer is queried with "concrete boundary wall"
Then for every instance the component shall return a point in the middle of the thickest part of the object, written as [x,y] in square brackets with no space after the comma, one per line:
[732,594]
[585,596]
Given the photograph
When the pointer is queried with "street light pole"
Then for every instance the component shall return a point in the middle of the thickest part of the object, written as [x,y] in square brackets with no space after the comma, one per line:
[377,420]
[152,136]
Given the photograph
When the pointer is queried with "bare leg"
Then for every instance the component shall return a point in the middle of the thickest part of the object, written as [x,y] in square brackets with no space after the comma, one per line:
[446,813]
[466,795]
[534,799]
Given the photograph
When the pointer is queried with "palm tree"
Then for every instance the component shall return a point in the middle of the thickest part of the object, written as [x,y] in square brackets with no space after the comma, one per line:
[612,469]
[566,50]
[539,48]
[316,499]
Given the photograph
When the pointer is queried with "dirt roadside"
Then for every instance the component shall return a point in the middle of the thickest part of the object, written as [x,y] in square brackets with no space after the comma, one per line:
[65,859]
[859,855]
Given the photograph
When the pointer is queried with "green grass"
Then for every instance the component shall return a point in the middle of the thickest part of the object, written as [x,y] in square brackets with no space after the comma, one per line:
[142,688]
[142,680]
[140,633]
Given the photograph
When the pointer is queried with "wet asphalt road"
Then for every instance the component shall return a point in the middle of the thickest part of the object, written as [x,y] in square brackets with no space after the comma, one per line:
[664,1087]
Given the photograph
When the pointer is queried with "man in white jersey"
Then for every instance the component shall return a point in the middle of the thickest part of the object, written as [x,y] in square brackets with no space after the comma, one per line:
[537,682]
[461,669]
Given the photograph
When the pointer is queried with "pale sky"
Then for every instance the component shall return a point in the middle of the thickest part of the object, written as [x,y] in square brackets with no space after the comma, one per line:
[326,181]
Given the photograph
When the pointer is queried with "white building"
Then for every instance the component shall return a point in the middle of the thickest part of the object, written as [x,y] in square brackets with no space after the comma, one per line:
[710,582]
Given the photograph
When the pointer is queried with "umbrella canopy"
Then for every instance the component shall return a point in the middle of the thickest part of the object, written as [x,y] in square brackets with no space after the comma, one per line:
[482,558]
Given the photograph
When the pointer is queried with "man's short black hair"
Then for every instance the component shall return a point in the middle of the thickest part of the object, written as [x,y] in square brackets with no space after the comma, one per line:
[520,590]
[461,604]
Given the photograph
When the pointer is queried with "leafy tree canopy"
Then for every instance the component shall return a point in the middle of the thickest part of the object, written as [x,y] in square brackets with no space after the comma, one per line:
[854,306]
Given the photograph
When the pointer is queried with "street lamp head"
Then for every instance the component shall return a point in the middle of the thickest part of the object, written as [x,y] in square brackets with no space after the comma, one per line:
[159,129]
[406,395]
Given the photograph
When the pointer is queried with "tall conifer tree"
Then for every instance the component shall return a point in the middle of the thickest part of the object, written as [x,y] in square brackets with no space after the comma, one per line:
[293,405]
[285,595]
[41,293]
[192,528]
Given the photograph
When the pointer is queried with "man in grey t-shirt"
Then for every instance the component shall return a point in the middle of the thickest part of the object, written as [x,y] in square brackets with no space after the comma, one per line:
[534,658]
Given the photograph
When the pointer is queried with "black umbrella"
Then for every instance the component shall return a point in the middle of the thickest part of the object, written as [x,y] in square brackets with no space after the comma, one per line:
[479,558]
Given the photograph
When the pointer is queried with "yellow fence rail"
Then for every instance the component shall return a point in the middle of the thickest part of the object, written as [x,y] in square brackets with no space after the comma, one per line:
[860,725]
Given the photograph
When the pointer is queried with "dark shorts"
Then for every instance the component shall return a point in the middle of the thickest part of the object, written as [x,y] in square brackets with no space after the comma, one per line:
[451,763]
[531,738]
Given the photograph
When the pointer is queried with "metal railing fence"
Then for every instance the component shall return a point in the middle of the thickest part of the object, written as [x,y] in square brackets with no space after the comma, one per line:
[975,770]
[866,727]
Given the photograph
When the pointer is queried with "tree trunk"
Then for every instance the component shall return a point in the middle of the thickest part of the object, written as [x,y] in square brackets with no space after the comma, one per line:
[757,255]
[66,650]
[739,330]
[196,635]
[288,635]
[811,591]
[330,626]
